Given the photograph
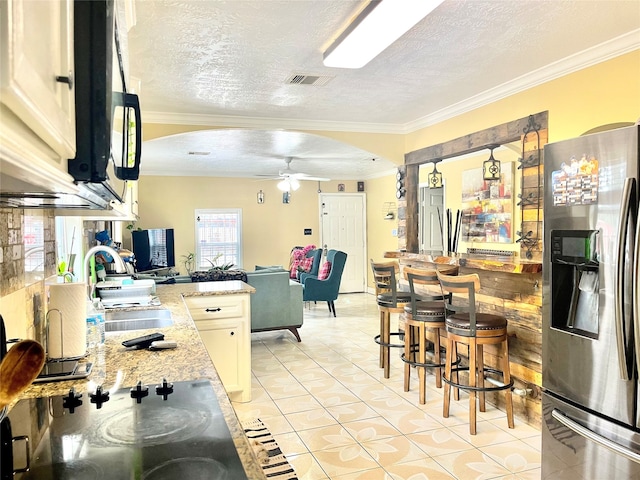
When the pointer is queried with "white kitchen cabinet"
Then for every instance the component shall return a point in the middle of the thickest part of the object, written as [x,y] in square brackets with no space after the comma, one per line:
[37,98]
[224,324]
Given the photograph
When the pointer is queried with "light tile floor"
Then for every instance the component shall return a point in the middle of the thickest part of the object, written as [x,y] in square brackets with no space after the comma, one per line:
[334,416]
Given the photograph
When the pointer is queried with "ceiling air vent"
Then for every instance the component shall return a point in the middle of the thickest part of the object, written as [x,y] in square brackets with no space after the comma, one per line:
[305,79]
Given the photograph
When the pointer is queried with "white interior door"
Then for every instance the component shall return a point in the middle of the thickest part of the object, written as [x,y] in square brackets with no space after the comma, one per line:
[342,224]
[432,224]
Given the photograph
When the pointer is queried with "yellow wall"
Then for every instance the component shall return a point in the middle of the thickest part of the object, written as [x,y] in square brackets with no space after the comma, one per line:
[381,192]
[602,94]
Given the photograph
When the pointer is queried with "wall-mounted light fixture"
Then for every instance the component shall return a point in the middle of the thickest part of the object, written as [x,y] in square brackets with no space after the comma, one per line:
[376,27]
[260,197]
[389,208]
[400,190]
[491,167]
[435,178]
[288,184]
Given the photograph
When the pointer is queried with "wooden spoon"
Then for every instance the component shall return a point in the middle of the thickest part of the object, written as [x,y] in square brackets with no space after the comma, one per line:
[19,368]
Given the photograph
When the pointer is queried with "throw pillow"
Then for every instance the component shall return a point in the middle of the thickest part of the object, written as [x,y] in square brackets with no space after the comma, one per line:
[306,264]
[324,271]
[293,273]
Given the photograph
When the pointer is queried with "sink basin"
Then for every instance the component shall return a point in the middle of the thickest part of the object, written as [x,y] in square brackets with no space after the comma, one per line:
[119,320]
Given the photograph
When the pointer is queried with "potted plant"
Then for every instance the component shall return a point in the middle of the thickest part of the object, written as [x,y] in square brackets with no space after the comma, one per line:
[189,261]
[216,267]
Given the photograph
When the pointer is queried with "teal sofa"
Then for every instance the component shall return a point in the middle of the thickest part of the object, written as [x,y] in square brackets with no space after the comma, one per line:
[277,303]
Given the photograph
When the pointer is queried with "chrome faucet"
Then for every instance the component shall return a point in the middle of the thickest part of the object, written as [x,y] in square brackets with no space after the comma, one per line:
[120,268]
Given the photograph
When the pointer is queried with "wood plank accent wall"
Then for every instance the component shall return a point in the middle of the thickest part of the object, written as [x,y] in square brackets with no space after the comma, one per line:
[518,297]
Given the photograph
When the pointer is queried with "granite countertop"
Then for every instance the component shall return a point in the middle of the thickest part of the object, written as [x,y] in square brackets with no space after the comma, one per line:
[480,262]
[190,361]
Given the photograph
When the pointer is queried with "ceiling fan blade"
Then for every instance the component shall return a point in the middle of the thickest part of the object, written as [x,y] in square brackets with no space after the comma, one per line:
[315,179]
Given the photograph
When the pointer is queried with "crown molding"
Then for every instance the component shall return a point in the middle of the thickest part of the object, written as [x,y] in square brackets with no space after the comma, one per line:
[600,53]
[621,45]
[268,123]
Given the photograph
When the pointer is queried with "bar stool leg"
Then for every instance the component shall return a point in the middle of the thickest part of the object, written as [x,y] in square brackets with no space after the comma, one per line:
[382,316]
[506,376]
[483,406]
[447,375]
[473,362]
[408,343]
[456,390]
[422,358]
[436,357]
[387,340]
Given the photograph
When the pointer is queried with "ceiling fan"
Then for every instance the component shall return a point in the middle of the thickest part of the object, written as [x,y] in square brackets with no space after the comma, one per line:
[290,179]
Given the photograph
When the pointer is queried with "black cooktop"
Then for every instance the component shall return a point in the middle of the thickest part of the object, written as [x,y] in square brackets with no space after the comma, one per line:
[163,431]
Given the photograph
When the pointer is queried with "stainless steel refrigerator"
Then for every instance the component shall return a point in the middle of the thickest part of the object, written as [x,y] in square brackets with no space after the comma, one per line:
[591,329]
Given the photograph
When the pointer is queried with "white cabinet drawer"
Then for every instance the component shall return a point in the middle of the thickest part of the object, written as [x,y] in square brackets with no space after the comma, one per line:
[213,307]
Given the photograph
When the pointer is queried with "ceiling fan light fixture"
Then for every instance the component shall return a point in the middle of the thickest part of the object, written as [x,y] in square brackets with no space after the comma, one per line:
[376,27]
[288,184]
[283,185]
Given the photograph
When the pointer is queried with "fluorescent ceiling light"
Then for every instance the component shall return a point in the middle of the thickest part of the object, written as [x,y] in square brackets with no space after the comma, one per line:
[380,24]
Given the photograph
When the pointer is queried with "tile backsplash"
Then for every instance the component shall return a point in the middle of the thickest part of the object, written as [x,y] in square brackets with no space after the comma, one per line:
[27,237]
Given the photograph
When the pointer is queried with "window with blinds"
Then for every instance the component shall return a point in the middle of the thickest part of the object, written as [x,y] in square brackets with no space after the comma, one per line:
[218,237]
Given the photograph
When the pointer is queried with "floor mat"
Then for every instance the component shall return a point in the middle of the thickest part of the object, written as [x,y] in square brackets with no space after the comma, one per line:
[274,463]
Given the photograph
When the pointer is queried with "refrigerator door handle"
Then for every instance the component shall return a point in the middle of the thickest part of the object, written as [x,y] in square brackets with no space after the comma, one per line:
[636,294]
[628,193]
[594,437]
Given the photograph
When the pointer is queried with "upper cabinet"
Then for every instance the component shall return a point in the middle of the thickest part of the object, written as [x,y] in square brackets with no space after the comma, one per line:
[37,99]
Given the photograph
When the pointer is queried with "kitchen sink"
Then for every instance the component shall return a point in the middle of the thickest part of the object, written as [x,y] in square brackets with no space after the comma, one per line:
[119,320]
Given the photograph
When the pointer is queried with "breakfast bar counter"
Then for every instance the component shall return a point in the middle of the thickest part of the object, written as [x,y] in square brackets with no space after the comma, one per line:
[114,364]
[510,287]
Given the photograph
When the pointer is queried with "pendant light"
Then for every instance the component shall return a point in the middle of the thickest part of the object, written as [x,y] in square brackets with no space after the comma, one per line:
[491,167]
[435,178]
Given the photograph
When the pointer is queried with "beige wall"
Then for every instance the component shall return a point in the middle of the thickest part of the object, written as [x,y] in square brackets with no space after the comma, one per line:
[602,94]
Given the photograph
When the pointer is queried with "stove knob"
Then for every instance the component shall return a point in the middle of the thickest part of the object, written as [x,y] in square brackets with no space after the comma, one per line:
[72,400]
[165,389]
[99,397]
[139,392]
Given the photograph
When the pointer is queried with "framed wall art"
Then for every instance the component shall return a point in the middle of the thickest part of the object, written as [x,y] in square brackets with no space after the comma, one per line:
[487,206]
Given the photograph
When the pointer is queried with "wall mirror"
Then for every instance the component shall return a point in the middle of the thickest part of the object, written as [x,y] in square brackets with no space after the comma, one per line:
[484,214]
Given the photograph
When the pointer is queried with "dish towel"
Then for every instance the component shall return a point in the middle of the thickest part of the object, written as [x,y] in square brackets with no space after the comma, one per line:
[274,463]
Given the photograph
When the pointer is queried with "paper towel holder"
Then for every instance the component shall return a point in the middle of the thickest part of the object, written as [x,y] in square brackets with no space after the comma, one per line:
[61,338]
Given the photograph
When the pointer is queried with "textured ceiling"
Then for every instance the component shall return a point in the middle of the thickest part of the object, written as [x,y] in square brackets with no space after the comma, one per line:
[226,63]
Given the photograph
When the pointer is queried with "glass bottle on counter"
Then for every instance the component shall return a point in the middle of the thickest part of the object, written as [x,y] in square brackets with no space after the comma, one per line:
[93,335]
[100,321]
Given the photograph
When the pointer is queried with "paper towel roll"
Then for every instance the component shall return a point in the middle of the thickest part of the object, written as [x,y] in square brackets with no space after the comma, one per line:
[67,308]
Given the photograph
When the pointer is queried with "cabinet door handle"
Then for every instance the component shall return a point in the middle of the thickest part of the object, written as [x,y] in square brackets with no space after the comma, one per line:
[213,309]
[232,333]
[68,80]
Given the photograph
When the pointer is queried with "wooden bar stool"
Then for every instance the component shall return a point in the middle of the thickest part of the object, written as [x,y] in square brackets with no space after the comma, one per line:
[424,317]
[390,300]
[465,325]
